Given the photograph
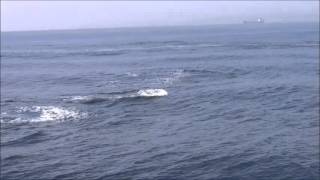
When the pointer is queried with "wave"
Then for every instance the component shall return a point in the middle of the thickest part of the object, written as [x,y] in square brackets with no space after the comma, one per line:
[143,93]
[149,43]
[44,114]
[56,53]
[102,51]
[223,73]
[152,46]
[285,45]
[32,138]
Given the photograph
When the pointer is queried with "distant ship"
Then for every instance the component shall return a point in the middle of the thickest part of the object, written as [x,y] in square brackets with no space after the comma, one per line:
[258,21]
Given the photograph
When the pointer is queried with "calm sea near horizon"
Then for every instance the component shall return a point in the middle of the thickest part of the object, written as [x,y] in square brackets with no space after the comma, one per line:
[203,102]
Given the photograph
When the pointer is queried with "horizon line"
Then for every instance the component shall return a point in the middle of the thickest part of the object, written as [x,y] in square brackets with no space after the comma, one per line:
[155,26]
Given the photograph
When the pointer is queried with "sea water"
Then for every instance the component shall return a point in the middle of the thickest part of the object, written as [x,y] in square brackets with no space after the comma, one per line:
[203,102]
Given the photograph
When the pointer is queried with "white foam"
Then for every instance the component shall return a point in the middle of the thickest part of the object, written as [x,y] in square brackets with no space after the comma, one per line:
[75,98]
[131,74]
[49,113]
[78,98]
[152,92]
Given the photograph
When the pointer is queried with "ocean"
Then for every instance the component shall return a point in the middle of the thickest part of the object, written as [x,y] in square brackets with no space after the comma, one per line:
[191,102]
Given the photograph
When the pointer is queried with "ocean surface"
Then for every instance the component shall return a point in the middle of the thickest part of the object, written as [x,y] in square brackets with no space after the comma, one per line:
[205,102]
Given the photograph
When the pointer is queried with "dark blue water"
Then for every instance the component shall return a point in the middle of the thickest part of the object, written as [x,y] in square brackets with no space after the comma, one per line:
[242,103]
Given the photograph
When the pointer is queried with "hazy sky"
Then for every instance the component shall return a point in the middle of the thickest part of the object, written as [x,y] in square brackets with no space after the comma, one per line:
[39,15]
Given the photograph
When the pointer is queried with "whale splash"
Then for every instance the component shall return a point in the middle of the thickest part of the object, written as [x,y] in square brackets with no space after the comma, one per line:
[152,92]
[30,114]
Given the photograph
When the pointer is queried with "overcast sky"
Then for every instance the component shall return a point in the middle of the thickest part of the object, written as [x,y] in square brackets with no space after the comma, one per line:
[40,15]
